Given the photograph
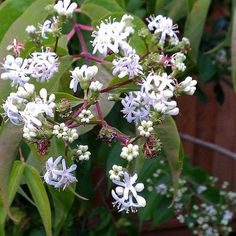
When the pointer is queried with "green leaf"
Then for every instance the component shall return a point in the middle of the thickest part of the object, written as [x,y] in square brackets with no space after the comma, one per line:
[169,136]
[74,101]
[206,68]
[10,137]
[97,9]
[195,24]
[62,201]
[177,9]
[9,11]
[34,14]
[39,194]
[13,184]
[233,46]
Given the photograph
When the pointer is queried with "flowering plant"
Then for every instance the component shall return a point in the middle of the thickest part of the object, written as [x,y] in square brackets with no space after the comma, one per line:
[135,71]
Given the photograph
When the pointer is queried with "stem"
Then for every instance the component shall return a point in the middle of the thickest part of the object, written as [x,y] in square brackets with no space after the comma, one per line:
[99,111]
[56,44]
[76,194]
[209,145]
[111,87]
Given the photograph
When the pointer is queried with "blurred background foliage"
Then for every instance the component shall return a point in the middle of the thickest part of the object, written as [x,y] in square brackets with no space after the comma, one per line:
[209,24]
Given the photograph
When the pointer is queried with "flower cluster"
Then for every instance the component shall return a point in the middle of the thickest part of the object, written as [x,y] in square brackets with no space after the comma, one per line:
[41,66]
[206,216]
[58,175]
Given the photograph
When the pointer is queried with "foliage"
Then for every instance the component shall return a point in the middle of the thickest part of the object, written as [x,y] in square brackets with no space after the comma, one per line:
[39,209]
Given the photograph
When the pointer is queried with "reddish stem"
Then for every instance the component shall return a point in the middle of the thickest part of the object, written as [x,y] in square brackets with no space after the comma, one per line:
[111,87]
[76,113]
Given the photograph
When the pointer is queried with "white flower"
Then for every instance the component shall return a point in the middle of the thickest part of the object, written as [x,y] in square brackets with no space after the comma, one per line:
[161,189]
[12,107]
[188,86]
[30,132]
[180,218]
[228,215]
[135,106]
[30,29]
[111,35]
[16,69]
[85,116]
[85,73]
[83,152]
[130,152]
[26,91]
[96,86]
[145,128]
[34,111]
[56,176]
[43,65]
[159,89]
[126,196]
[127,66]
[65,8]
[116,172]
[163,26]
[62,131]
[177,60]
[48,26]
[65,177]
[51,166]
[201,189]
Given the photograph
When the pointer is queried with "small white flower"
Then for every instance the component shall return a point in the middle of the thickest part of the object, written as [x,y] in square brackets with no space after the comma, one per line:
[85,116]
[145,128]
[16,69]
[228,215]
[12,107]
[163,26]
[188,86]
[127,66]
[201,189]
[26,91]
[30,29]
[62,131]
[112,35]
[65,8]
[51,166]
[116,172]
[57,176]
[43,65]
[161,189]
[130,152]
[85,73]
[211,211]
[48,26]
[95,86]
[177,61]
[126,195]
[180,218]
[30,132]
[83,152]
[34,111]
[135,107]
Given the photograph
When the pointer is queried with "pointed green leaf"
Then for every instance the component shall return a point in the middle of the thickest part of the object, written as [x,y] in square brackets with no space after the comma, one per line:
[10,137]
[169,136]
[39,195]
[195,24]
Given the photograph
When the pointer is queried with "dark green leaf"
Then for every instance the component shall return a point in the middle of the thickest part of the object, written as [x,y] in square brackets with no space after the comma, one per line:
[169,136]
[39,194]
[195,24]
[74,101]
[10,137]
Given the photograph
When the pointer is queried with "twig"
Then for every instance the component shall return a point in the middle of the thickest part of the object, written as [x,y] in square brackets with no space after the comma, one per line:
[209,145]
